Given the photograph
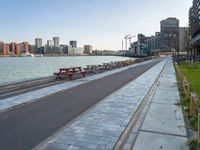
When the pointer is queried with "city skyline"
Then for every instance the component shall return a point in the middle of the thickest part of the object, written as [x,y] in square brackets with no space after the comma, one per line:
[102,24]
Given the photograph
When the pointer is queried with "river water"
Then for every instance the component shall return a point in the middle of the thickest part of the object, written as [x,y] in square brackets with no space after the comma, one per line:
[18,69]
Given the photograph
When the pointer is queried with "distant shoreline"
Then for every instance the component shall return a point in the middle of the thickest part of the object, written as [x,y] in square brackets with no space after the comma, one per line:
[57,55]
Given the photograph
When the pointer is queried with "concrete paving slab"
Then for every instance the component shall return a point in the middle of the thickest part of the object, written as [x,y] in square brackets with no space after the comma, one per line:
[166,96]
[154,141]
[164,116]
[165,119]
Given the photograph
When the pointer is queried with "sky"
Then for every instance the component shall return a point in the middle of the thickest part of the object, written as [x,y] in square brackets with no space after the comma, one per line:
[100,23]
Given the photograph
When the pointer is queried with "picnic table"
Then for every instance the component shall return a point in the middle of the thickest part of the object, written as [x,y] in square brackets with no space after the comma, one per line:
[70,72]
[96,68]
[91,68]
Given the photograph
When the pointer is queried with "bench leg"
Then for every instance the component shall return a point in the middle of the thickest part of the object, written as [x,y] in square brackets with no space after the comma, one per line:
[83,74]
[57,77]
[70,76]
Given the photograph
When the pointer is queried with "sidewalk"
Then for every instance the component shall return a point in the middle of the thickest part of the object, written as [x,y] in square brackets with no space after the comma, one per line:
[100,127]
[163,126]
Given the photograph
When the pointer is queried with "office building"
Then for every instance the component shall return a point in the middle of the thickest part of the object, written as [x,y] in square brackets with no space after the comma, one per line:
[50,43]
[169,32]
[73,44]
[194,27]
[153,43]
[64,49]
[49,47]
[87,49]
[141,44]
[56,42]
[75,50]
[38,43]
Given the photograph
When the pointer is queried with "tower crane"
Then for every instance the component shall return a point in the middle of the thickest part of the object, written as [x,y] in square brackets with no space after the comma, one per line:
[126,38]
[130,39]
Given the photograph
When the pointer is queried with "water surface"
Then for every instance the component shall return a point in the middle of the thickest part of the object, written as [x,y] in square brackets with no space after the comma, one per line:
[17,69]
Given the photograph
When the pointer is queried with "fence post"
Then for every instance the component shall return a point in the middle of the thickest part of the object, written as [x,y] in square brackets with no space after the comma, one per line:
[192,105]
[181,78]
[187,90]
[184,83]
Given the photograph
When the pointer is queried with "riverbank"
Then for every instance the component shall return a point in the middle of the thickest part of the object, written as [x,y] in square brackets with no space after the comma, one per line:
[20,87]
[44,82]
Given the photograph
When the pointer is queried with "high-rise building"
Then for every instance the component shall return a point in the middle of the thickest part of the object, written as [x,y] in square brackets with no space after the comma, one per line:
[194,25]
[38,43]
[75,50]
[87,49]
[50,43]
[73,44]
[56,42]
[64,49]
[169,31]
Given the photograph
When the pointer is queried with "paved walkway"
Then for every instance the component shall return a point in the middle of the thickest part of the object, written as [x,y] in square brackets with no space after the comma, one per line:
[162,127]
[37,94]
[101,127]
[32,123]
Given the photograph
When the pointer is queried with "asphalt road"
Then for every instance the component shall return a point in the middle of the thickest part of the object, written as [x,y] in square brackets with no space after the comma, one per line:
[26,126]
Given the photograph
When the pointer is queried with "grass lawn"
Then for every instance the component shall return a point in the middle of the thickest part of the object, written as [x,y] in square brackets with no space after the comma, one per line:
[192,73]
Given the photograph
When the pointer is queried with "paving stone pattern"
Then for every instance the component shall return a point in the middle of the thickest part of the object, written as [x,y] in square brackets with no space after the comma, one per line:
[100,127]
[164,126]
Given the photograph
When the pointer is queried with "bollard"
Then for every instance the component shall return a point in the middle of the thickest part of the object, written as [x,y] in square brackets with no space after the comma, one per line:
[198,128]
[192,105]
